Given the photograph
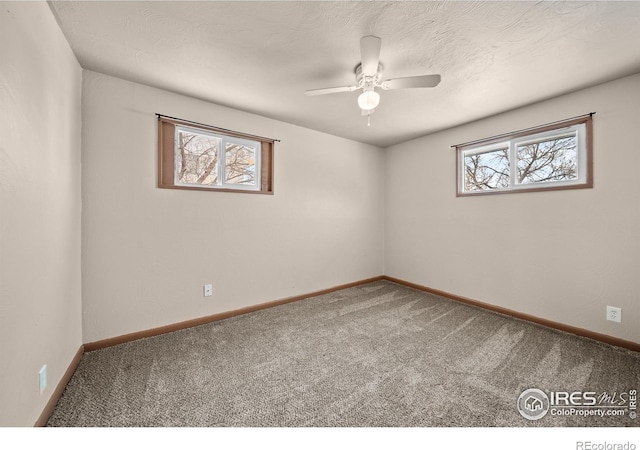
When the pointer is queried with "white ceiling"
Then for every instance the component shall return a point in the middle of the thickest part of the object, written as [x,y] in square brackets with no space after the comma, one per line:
[261,56]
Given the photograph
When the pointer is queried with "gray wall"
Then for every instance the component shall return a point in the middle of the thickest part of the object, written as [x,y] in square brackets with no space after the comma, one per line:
[147,252]
[40,305]
[560,255]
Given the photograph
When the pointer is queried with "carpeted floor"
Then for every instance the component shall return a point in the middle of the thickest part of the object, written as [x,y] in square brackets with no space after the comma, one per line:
[377,355]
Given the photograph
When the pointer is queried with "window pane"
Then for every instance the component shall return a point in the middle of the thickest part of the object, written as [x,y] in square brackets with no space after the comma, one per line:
[549,160]
[240,164]
[197,158]
[488,170]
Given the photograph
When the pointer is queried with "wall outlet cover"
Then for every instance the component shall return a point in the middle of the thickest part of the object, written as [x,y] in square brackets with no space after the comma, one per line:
[614,314]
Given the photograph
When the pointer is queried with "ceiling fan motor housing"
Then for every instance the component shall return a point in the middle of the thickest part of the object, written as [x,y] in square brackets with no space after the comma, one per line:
[365,82]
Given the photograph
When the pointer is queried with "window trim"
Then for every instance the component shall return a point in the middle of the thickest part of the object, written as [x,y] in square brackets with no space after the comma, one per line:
[167,127]
[522,136]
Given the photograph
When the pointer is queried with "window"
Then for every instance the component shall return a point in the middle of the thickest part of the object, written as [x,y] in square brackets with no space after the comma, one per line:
[201,157]
[556,156]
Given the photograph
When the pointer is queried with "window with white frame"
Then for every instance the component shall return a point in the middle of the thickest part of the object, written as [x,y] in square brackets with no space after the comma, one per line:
[209,159]
[202,157]
[556,156]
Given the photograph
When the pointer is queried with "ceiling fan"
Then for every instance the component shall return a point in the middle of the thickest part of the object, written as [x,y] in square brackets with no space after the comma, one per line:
[368,78]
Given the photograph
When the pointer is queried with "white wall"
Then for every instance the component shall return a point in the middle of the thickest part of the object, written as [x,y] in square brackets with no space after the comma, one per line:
[147,252]
[561,255]
[40,305]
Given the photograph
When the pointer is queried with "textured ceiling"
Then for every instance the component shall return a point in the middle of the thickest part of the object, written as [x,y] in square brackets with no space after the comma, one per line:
[261,56]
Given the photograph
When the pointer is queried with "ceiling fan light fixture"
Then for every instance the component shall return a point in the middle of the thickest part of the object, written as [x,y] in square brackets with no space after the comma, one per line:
[368,100]
[369,77]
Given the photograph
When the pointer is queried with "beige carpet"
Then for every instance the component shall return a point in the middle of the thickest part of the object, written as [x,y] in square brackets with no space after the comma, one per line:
[377,355]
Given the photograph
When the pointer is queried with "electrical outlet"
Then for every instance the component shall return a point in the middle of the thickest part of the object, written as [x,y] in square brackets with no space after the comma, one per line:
[42,378]
[614,314]
[208,290]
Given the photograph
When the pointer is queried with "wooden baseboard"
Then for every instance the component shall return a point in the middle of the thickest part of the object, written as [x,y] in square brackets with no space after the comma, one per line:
[91,346]
[611,340]
[57,393]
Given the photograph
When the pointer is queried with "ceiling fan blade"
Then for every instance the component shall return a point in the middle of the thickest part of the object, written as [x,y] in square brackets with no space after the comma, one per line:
[331,90]
[423,81]
[370,54]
